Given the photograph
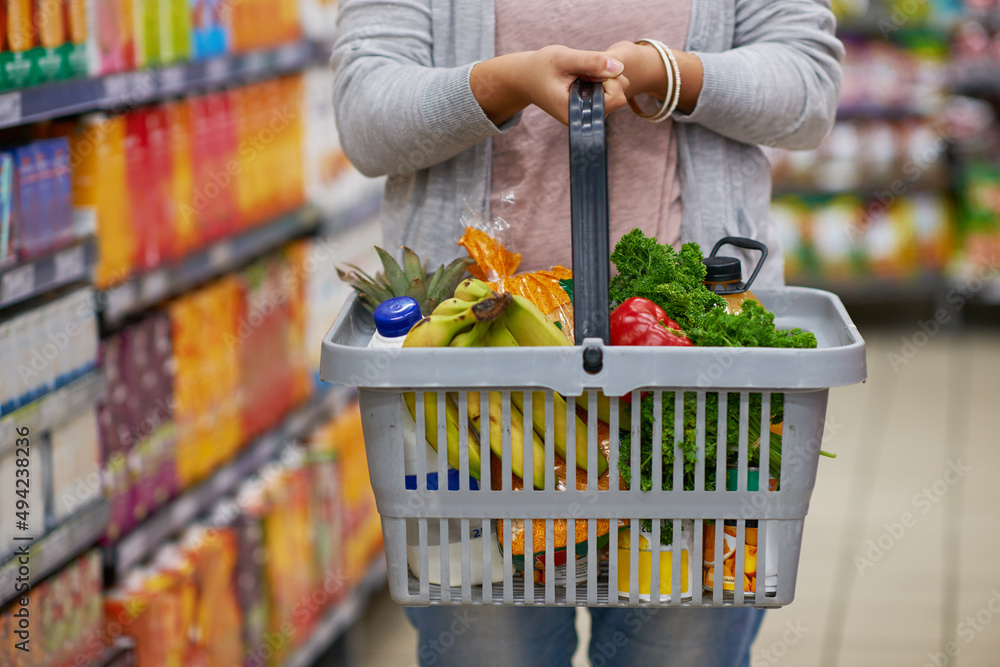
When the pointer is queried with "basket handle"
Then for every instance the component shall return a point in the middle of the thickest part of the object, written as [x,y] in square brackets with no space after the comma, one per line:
[588,184]
[746,244]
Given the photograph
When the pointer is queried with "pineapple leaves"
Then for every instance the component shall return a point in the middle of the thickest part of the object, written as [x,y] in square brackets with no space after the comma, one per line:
[397,280]
[411,279]
[412,267]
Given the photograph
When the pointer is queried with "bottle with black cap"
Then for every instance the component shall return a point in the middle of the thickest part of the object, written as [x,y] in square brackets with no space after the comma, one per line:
[724,275]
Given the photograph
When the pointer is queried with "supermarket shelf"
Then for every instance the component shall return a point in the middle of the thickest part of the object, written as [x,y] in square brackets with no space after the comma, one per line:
[976,80]
[171,519]
[871,111]
[51,551]
[342,616]
[361,212]
[220,258]
[980,288]
[868,190]
[52,408]
[124,90]
[120,655]
[876,289]
[37,276]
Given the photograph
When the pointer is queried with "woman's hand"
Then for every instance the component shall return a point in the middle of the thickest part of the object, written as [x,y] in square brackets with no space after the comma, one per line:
[646,72]
[507,84]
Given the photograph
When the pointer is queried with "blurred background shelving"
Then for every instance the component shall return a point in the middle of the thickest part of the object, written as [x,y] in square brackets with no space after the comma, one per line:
[900,205]
[173,200]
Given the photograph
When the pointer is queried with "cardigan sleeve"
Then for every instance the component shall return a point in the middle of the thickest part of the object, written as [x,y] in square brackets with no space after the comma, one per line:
[779,83]
[397,113]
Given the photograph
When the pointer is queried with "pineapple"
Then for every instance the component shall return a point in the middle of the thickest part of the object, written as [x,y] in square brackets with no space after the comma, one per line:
[410,280]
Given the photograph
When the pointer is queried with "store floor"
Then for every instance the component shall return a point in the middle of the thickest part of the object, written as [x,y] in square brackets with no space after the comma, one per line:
[901,555]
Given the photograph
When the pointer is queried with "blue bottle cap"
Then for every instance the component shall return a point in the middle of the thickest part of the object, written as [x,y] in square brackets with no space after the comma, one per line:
[394,317]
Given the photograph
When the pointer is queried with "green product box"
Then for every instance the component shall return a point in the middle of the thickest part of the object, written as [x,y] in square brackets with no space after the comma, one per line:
[75,63]
[20,69]
[48,64]
[5,57]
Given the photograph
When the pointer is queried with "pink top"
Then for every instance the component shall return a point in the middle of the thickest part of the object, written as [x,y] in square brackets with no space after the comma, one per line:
[530,169]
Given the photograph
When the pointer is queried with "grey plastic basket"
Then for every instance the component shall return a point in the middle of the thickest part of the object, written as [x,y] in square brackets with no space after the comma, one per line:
[669,373]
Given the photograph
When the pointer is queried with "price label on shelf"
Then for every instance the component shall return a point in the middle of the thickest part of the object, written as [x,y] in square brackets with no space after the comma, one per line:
[70,264]
[115,87]
[220,254]
[119,300]
[10,109]
[155,286]
[18,283]
[217,70]
[172,78]
[255,62]
[288,56]
[141,86]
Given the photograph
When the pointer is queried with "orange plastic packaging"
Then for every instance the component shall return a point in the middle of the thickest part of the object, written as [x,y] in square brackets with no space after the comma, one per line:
[559,527]
[497,266]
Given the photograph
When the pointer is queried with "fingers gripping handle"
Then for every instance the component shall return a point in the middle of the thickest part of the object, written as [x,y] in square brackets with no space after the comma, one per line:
[588,168]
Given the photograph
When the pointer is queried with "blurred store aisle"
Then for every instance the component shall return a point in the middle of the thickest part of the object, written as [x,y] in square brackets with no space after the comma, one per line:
[898,558]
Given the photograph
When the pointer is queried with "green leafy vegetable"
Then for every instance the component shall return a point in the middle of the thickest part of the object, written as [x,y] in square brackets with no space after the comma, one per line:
[675,281]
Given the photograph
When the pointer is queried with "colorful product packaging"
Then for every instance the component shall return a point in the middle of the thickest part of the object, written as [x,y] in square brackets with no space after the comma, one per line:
[19,65]
[101,194]
[209,33]
[50,59]
[111,43]
[9,211]
[174,24]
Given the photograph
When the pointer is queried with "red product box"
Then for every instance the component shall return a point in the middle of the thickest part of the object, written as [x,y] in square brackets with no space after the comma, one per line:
[139,186]
[204,204]
[222,176]
[160,168]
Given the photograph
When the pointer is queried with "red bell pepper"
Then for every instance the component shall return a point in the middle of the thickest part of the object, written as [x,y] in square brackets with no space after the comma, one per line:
[639,321]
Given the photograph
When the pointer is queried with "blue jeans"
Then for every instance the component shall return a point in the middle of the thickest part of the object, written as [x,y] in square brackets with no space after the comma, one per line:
[546,636]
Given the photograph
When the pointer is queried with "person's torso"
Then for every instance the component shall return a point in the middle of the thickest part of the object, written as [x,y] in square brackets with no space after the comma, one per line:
[530,164]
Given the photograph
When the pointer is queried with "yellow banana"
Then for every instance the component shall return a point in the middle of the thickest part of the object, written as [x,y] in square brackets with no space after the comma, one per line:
[450,307]
[559,422]
[451,429]
[440,330]
[500,335]
[495,418]
[473,289]
[530,327]
[477,337]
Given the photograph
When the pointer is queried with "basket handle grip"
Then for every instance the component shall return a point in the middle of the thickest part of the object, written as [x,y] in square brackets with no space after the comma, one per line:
[746,244]
[588,184]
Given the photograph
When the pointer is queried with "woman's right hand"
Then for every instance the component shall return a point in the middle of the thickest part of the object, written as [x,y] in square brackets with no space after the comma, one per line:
[507,84]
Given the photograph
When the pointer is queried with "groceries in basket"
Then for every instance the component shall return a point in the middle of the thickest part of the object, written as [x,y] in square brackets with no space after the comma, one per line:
[659,297]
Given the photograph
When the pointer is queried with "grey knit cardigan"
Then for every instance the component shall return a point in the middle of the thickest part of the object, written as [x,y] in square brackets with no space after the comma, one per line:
[404,108]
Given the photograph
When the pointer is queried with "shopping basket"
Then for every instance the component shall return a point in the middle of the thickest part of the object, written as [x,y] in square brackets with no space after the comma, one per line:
[610,536]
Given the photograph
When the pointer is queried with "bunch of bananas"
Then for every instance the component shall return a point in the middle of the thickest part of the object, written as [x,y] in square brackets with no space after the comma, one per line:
[478,317]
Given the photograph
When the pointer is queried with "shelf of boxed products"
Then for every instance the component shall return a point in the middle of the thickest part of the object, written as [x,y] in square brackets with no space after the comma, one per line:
[218,259]
[49,552]
[52,409]
[123,90]
[29,278]
[171,519]
[345,614]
